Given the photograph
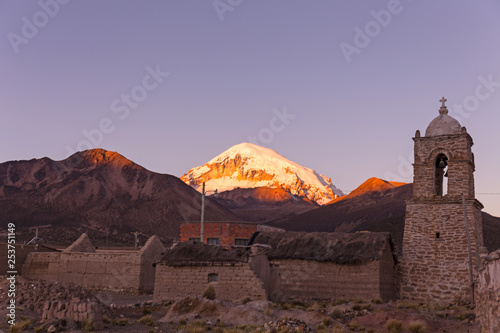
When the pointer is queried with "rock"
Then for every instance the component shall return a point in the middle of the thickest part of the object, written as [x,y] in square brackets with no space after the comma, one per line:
[51,329]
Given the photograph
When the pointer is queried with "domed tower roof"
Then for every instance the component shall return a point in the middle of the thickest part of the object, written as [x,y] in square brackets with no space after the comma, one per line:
[443,124]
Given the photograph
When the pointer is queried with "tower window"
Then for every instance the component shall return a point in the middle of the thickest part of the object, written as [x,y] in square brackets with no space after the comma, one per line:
[441,171]
[212,277]
[437,234]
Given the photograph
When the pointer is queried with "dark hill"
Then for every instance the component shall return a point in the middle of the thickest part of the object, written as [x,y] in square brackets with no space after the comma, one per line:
[377,206]
[98,192]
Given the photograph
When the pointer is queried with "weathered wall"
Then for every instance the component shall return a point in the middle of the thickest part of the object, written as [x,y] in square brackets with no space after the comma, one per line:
[75,310]
[116,269]
[22,252]
[303,279]
[488,294]
[235,281]
[436,269]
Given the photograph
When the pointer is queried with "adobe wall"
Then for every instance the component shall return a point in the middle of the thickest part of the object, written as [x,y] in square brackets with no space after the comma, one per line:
[488,294]
[235,281]
[303,279]
[116,269]
[22,251]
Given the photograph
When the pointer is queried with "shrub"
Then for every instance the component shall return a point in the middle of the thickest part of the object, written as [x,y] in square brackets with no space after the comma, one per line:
[298,304]
[336,313]
[320,328]
[285,306]
[182,321]
[147,320]
[38,329]
[376,301]
[406,305]
[209,292]
[358,301]
[327,321]
[146,311]
[416,327]
[339,301]
[359,307]
[120,322]
[353,325]
[338,329]
[268,312]
[20,326]
[394,326]
[88,325]
[245,300]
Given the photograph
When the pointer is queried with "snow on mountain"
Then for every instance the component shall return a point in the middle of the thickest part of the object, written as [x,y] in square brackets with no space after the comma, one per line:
[248,166]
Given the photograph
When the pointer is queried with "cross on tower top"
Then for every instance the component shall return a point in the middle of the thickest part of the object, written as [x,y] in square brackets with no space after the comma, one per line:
[443,110]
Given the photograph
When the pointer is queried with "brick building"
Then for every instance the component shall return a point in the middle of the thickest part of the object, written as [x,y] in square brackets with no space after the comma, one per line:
[223,233]
[435,264]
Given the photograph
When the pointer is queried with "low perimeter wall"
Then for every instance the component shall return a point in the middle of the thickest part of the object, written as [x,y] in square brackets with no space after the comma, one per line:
[235,281]
[488,294]
[116,269]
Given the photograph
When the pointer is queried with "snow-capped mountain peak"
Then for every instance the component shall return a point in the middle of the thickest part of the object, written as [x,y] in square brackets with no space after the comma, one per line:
[247,165]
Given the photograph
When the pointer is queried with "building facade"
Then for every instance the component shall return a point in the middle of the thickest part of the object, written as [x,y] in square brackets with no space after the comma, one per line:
[435,265]
[222,233]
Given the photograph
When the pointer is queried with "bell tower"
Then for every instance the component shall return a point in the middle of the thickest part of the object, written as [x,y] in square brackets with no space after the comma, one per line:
[435,264]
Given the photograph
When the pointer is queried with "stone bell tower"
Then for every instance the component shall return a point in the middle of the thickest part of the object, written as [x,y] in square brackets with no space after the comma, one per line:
[435,264]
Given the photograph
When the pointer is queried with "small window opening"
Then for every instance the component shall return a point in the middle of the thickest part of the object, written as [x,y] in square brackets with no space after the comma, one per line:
[213,241]
[437,234]
[241,241]
[212,277]
[441,175]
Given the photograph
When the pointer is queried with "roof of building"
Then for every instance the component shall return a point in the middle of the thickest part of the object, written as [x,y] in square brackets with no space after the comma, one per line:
[339,248]
[443,124]
[195,253]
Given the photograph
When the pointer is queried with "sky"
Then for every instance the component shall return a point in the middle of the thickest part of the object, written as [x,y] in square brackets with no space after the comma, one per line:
[336,86]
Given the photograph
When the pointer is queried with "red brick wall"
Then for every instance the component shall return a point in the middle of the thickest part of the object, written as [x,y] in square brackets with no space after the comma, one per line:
[227,232]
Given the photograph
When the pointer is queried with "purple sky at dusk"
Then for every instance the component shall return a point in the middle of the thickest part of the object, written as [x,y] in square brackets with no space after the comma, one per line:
[297,76]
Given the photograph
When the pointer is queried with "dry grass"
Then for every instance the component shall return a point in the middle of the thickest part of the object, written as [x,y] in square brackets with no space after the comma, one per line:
[209,293]
[394,326]
[147,320]
[417,327]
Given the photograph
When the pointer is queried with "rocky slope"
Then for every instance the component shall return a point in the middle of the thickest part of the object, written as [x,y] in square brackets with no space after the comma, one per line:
[250,166]
[99,192]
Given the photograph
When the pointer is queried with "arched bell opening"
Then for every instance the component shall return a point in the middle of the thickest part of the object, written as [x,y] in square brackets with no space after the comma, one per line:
[441,175]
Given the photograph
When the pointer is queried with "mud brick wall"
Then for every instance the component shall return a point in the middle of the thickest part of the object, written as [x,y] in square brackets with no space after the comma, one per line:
[235,281]
[75,310]
[22,251]
[115,269]
[488,294]
[436,269]
[42,266]
[303,279]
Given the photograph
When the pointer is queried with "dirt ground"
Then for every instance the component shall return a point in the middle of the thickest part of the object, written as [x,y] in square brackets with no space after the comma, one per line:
[133,312]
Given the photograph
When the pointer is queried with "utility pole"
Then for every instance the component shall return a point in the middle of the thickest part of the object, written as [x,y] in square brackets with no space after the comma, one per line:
[202,211]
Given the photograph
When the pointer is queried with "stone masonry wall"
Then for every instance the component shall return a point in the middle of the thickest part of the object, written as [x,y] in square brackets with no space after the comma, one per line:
[302,279]
[457,149]
[235,281]
[488,294]
[75,310]
[436,269]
